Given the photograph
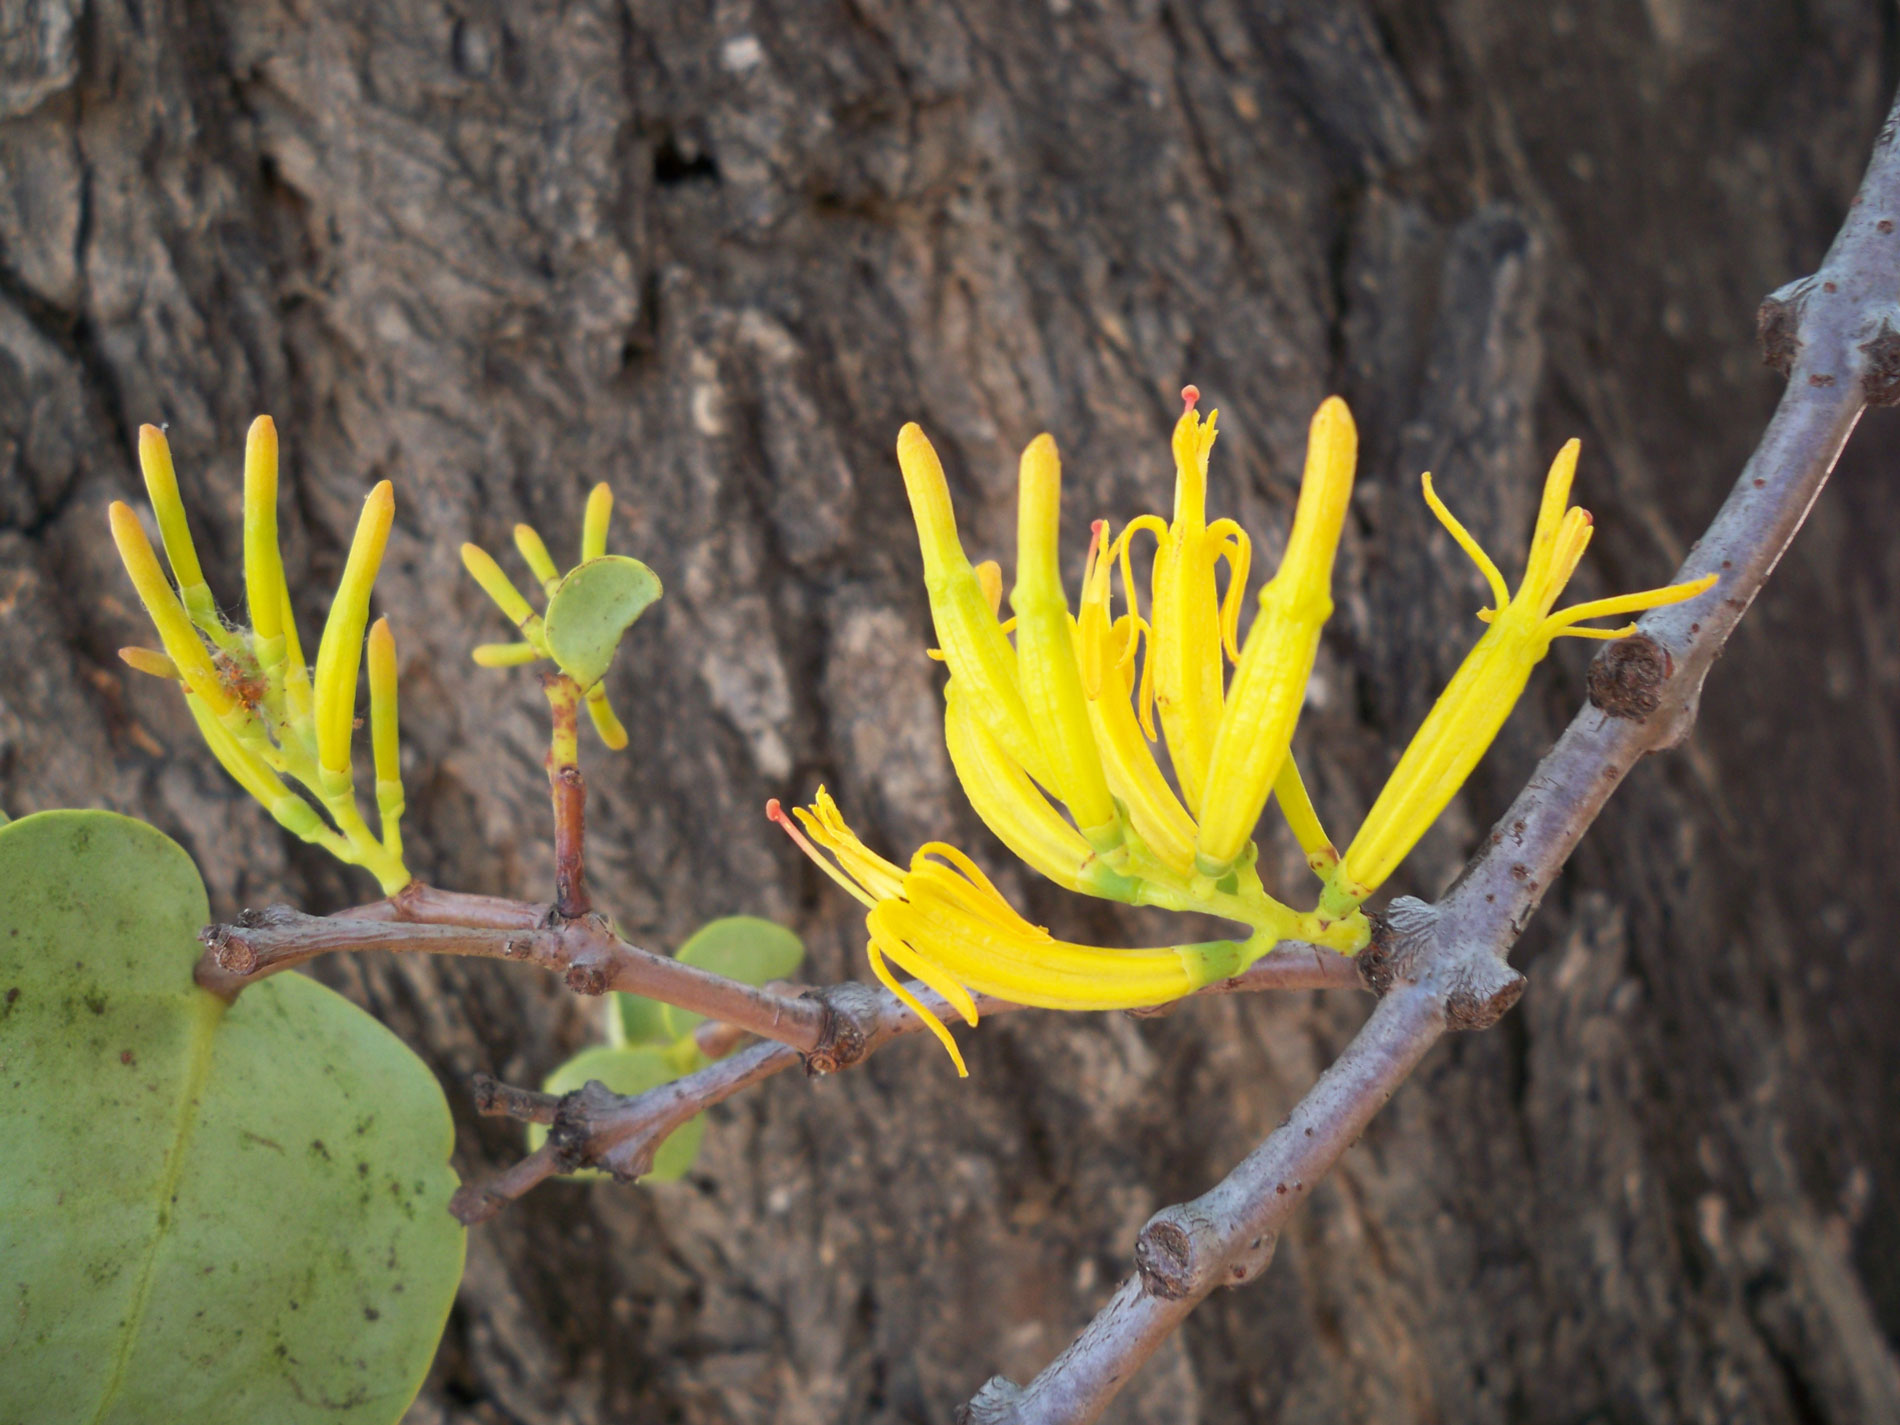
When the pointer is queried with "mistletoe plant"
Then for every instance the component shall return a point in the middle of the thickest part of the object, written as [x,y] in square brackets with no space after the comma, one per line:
[1051,718]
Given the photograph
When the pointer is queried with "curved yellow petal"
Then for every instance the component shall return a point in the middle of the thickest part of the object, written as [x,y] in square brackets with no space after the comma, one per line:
[1015,809]
[1270,683]
[340,651]
[600,509]
[161,487]
[1046,665]
[973,643]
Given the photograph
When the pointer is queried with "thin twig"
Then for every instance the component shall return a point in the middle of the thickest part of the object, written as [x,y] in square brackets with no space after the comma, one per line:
[1837,337]
[494,1099]
[861,1020]
[569,794]
[588,956]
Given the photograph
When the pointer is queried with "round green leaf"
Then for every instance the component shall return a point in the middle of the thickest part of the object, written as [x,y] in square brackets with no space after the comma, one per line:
[591,608]
[642,1020]
[628,1071]
[208,1213]
[740,947]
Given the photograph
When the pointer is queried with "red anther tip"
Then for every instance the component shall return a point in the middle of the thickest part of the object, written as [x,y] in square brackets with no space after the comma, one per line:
[1588,518]
[773,811]
[1190,395]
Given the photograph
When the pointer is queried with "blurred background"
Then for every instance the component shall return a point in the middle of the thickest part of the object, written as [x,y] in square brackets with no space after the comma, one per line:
[717,254]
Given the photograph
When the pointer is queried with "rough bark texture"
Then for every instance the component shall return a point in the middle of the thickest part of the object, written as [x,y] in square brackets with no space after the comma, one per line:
[718,255]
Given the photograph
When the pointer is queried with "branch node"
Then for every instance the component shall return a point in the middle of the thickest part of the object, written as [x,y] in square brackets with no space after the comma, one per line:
[849,1029]
[1626,679]
[1172,1254]
[1375,961]
[1481,991]
[1880,381]
[589,977]
[995,1404]
[233,955]
[473,1204]
[576,1118]
[1778,324]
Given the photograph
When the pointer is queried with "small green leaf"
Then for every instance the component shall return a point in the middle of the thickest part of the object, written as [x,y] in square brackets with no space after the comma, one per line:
[642,1020]
[591,608]
[628,1071]
[740,947]
[221,1214]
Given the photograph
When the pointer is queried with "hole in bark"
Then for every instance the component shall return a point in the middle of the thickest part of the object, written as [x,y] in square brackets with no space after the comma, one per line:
[678,161]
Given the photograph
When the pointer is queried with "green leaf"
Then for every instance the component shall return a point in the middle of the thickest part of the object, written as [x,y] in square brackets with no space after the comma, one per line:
[208,1213]
[591,608]
[740,947]
[642,1020]
[628,1071]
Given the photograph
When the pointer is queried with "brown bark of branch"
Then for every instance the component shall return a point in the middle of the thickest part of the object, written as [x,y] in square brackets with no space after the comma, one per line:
[859,1020]
[569,793]
[590,958]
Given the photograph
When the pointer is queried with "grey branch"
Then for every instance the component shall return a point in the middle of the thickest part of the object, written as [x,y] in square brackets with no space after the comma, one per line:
[1836,336]
[605,1130]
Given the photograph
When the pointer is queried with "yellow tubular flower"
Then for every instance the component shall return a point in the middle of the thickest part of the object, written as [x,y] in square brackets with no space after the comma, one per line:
[1015,809]
[264,586]
[1046,665]
[1290,792]
[1186,657]
[504,655]
[973,642]
[340,651]
[600,508]
[385,744]
[289,810]
[174,624]
[943,921]
[1106,651]
[1473,707]
[1270,682]
[161,487]
[150,661]
[298,698]
[262,667]
[534,553]
[606,722]
[486,572]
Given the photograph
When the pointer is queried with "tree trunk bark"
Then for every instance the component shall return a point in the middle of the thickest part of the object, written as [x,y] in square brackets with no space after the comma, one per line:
[717,255]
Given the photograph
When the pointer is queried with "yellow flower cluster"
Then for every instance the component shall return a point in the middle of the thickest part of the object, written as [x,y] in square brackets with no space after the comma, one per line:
[1050,734]
[263,713]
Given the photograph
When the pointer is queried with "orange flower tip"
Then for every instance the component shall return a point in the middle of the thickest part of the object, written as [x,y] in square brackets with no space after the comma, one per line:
[1190,397]
[776,813]
[151,435]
